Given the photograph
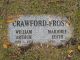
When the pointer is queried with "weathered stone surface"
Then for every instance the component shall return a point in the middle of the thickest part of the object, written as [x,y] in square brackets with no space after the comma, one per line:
[39,29]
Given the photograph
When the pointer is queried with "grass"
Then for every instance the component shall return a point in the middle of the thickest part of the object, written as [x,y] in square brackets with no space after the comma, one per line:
[68,8]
